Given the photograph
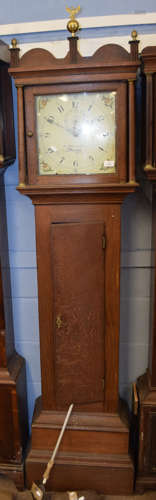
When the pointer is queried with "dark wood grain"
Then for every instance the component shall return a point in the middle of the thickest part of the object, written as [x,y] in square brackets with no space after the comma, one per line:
[21,137]
[107,473]
[45,216]
[7,138]
[77,258]
[132,149]
[112,307]
[134,47]
[73,52]
[149,119]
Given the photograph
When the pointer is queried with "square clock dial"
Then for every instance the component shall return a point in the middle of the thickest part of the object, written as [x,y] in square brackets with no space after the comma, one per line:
[76,133]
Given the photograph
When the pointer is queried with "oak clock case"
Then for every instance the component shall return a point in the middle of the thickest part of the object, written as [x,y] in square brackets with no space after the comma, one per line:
[13,404]
[77,163]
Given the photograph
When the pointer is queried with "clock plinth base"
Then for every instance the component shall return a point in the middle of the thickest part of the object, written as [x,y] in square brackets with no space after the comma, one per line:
[146,474]
[109,474]
[15,472]
[13,417]
[93,453]
[144,483]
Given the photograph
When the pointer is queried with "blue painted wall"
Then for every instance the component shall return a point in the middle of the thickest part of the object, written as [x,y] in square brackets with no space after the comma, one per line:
[15,11]
[22,257]
[136,236]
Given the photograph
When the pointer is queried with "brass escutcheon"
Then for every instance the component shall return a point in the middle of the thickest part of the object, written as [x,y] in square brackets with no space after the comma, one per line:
[58,321]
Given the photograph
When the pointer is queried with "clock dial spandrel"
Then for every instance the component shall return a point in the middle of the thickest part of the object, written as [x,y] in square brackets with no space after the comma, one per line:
[76,133]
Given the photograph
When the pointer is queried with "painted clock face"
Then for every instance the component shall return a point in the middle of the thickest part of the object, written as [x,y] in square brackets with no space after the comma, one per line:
[76,133]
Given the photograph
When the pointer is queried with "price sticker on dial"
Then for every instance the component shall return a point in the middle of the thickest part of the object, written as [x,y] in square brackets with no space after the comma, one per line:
[109,163]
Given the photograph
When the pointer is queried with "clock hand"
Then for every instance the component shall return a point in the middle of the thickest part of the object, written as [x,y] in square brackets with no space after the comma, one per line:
[72,148]
[73,131]
[76,129]
[52,120]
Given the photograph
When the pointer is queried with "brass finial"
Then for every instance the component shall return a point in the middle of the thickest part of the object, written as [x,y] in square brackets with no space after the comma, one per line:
[73,24]
[134,35]
[14,43]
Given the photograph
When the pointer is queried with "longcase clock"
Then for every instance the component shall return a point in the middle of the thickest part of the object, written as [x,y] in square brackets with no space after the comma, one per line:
[146,384]
[77,164]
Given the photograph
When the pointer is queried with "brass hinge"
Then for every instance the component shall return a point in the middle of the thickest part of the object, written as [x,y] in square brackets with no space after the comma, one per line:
[103,242]
[103,383]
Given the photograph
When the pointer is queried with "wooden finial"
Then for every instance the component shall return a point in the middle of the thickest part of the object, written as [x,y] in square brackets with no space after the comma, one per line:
[73,25]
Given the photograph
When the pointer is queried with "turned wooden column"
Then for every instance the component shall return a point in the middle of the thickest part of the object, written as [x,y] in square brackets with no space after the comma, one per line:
[21,137]
[132,151]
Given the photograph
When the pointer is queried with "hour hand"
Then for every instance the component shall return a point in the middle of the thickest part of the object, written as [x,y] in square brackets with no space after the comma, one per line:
[76,130]
[50,119]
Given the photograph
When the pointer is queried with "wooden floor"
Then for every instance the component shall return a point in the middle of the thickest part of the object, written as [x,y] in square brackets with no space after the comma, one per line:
[8,491]
[146,496]
[151,495]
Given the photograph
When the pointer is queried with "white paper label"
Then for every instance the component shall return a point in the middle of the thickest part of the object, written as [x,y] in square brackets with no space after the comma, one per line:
[108,163]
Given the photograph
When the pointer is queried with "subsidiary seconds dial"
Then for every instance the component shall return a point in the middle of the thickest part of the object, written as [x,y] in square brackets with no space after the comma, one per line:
[76,133]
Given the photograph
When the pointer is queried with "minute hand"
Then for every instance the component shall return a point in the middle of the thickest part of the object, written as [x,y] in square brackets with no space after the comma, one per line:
[75,131]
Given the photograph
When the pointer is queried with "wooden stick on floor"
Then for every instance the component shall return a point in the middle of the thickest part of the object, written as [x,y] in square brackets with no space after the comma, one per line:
[38,491]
